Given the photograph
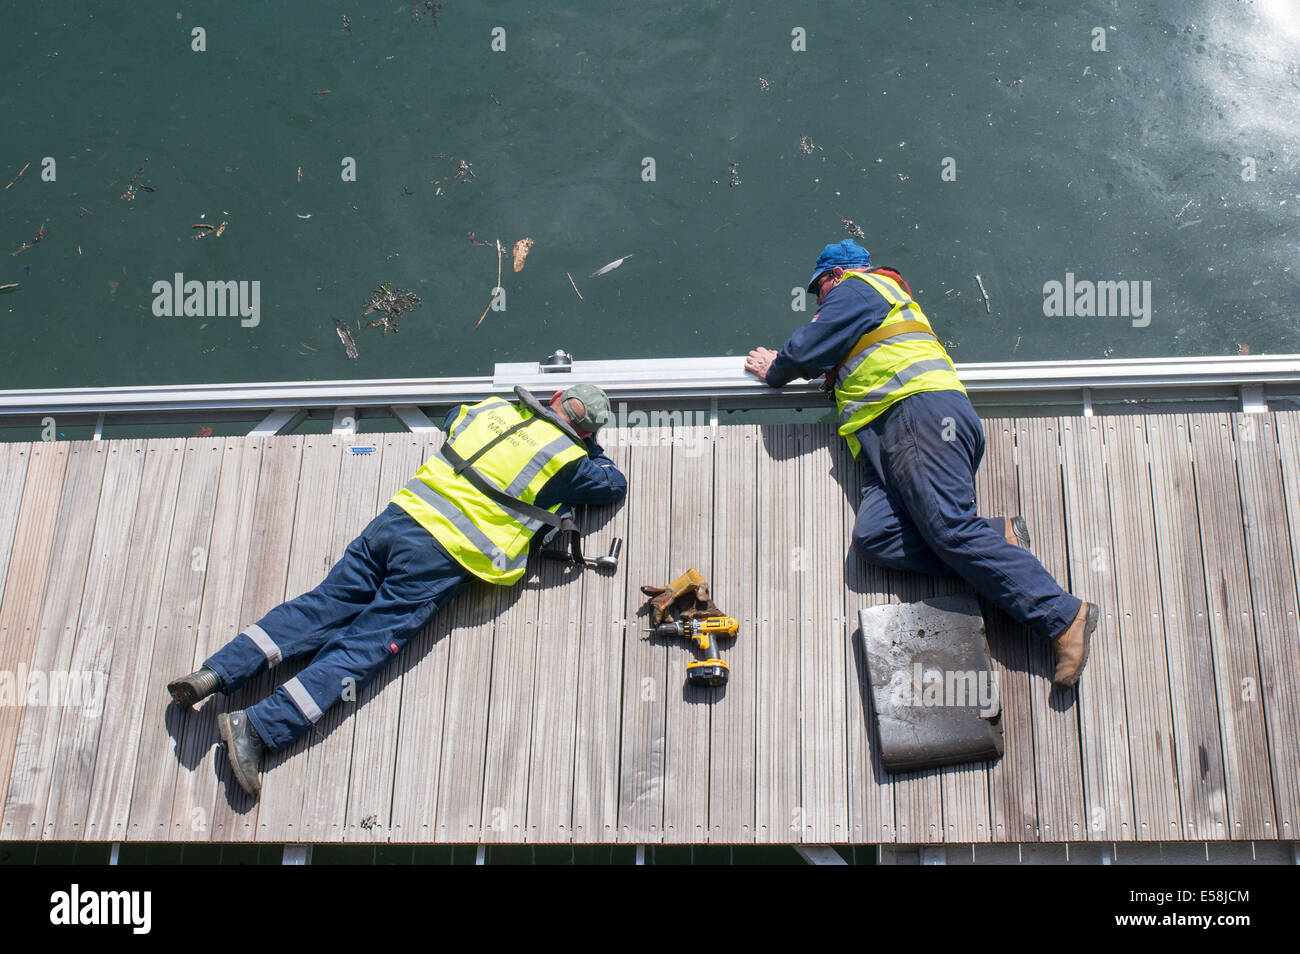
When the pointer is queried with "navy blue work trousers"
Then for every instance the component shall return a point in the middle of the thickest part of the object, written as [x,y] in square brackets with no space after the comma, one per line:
[388,584]
[918,510]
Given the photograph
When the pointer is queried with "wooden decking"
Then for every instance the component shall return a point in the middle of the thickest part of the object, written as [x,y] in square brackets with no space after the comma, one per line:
[539,714]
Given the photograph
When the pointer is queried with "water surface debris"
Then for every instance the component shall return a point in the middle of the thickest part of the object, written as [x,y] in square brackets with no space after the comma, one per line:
[575,286]
[203,230]
[763,85]
[426,7]
[853,229]
[610,267]
[33,241]
[391,305]
[132,187]
[984,294]
[806,146]
[1179,215]
[19,176]
[735,176]
[300,175]
[500,252]
[521,250]
[347,25]
[345,335]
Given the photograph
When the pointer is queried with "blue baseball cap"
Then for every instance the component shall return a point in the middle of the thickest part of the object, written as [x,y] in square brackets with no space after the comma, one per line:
[843,254]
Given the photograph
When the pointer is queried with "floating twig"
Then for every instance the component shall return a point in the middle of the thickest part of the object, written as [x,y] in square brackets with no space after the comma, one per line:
[322,92]
[8,287]
[345,335]
[19,176]
[984,294]
[300,175]
[84,212]
[575,286]
[1184,209]
[307,346]
[500,250]
[34,241]
[610,267]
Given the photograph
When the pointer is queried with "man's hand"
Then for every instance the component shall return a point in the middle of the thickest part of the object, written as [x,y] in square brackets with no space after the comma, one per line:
[759,361]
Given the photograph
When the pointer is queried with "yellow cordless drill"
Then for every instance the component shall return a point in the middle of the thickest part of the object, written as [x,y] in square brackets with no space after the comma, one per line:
[703,631]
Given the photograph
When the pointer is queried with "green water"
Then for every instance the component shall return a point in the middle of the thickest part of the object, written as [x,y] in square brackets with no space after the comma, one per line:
[1127,164]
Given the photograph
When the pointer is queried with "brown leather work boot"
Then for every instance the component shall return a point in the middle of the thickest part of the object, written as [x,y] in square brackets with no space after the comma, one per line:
[1016,531]
[1072,644]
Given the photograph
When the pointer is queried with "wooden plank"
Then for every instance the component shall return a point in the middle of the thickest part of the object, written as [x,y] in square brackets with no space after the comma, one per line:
[778,809]
[1058,772]
[235,815]
[1157,816]
[459,802]
[56,635]
[311,774]
[819,562]
[514,653]
[108,573]
[1197,750]
[732,794]
[13,475]
[134,630]
[607,634]
[1247,774]
[561,642]
[366,485]
[1013,799]
[20,608]
[646,684]
[1103,722]
[187,548]
[1272,576]
[689,540]
[870,788]
[425,716]
[202,777]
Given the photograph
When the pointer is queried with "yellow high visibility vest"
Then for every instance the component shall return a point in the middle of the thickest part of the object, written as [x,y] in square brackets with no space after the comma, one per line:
[886,367]
[482,535]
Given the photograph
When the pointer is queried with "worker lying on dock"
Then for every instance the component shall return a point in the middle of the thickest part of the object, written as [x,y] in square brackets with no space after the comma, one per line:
[470,512]
[903,409]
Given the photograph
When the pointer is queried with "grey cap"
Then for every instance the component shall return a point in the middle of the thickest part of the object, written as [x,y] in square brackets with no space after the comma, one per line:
[592,401]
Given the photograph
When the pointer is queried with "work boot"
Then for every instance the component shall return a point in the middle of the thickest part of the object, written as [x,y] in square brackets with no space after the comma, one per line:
[1016,531]
[244,748]
[188,690]
[1072,644]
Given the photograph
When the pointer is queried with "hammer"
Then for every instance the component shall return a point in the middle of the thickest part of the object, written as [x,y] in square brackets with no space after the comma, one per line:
[607,562]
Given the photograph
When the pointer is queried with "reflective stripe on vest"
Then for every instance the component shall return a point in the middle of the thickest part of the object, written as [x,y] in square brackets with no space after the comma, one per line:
[484,536]
[889,370]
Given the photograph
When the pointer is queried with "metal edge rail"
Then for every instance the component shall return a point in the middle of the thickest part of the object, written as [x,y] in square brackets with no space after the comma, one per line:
[713,383]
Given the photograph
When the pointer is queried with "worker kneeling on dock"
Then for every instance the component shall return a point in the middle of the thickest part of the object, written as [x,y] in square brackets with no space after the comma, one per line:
[904,411]
[471,511]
